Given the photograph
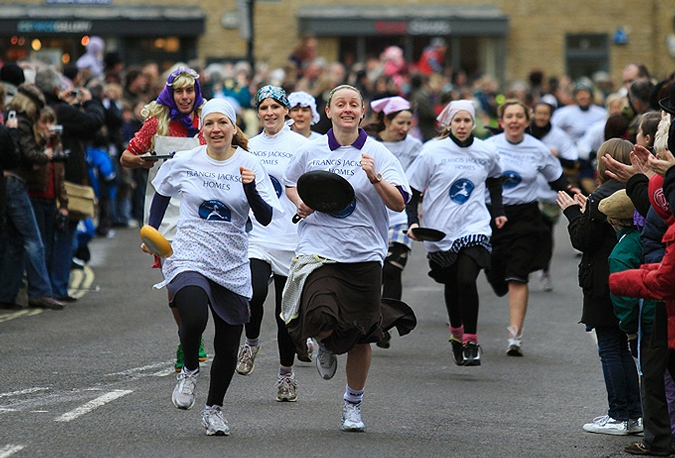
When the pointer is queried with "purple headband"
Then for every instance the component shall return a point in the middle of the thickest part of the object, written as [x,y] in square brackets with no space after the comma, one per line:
[390,105]
[166,97]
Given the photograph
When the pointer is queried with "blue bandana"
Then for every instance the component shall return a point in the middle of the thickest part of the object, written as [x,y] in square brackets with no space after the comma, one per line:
[271,92]
[166,98]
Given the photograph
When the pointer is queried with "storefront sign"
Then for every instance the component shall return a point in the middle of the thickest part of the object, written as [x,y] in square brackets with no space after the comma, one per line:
[54,26]
[429,27]
[78,2]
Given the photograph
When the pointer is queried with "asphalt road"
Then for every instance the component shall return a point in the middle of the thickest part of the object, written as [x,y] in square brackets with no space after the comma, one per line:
[95,379]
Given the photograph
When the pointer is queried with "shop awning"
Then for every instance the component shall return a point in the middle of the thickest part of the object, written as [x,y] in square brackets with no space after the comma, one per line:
[122,21]
[443,20]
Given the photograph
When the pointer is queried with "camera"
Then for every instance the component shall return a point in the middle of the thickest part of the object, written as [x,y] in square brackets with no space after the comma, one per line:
[75,93]
[56,129]
[60,156]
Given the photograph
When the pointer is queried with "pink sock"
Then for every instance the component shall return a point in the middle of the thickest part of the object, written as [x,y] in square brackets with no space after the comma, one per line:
[470,338]
[457,333]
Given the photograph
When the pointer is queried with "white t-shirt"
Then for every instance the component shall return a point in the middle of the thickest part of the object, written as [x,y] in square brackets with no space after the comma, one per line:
[559,140]
[453,180]
[406,151]
[274,153]
[211,237]
[361,233]
[521,163]
[576,121]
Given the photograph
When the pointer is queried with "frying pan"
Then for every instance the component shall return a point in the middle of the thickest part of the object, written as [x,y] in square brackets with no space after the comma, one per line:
[427,234]
[157,157]
[156,242]
[324,191]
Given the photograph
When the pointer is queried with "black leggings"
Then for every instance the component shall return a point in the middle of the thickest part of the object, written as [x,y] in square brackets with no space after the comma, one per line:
[193,306]
[461,293]
[260,275]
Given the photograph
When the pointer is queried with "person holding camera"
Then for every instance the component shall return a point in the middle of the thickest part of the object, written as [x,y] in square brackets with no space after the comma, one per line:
[21,238]
[46,187]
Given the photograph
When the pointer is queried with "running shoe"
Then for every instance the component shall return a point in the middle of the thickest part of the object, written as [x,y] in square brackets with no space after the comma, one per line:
[545,282]
[246,358]
[215,422]
[607,425]
[385,342]
[351,418]
[514,343]
[471,354]
[457,351]
[287,388]
[183,396]
[326,363]
[307,353]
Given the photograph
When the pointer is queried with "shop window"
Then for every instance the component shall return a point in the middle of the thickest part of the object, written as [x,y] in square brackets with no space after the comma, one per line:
[586,54]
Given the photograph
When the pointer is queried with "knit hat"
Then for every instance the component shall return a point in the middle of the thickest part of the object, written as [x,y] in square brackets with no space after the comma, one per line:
[617,206]
[12,74]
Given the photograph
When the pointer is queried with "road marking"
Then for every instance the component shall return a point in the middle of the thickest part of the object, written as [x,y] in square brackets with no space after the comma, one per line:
[138,370]
[92,405]
[17,393]
[81,281]
[18,314]
[9,450]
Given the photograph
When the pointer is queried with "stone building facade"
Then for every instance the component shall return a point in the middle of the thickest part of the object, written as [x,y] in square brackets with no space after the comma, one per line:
[505,39]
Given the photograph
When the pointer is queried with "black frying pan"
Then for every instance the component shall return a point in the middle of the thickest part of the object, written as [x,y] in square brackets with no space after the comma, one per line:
[428,234]
[324,191]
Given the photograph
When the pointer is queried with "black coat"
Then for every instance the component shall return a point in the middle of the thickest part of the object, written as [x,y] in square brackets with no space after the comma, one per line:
[591,234]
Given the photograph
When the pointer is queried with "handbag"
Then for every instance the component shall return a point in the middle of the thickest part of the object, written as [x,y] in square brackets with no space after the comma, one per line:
[81,201]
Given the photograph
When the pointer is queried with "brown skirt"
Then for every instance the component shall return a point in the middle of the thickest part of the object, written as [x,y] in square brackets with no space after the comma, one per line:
[343,298]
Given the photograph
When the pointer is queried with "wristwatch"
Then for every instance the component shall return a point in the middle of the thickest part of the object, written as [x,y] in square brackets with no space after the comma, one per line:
[377,179]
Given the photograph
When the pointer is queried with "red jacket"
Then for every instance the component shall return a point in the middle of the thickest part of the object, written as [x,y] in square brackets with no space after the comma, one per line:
[652,281]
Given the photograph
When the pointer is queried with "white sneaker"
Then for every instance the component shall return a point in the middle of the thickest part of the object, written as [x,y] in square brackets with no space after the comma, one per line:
[326,363]
[183,396]
[215,422]
[246,358]
[636,427]
[545,282]
[287,388]
[351,418]
[607,425]
[514,343]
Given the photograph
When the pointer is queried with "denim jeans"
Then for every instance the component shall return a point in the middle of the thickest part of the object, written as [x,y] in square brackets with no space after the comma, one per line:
[45,215]
[620,373]
[62,258]
[22,239]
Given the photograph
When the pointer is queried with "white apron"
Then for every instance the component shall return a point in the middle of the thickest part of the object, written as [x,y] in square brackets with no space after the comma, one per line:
[166,145]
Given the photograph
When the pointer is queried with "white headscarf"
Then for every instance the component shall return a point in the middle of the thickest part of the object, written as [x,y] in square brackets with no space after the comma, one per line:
[454,107]
[219,106]
[304,99]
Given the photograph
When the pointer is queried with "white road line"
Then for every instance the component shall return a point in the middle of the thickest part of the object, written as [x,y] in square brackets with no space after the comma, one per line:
[9,450]
[17,393]
[138,370]
[91,405]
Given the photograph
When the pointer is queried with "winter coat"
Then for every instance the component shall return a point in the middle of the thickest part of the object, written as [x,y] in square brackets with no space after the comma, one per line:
[654,281]
[591,234]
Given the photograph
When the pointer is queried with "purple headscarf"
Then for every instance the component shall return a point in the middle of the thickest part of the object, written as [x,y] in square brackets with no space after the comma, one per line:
[166,98]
